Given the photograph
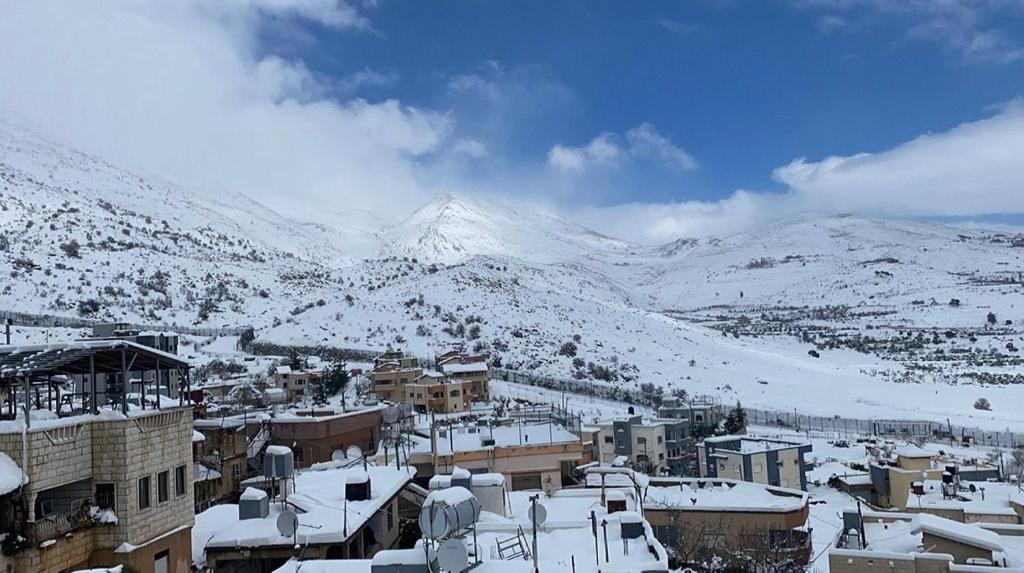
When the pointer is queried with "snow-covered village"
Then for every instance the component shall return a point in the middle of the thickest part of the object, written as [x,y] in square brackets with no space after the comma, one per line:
[361,286]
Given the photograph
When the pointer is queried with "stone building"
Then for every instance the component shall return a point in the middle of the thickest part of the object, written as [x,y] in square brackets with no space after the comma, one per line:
[103,485]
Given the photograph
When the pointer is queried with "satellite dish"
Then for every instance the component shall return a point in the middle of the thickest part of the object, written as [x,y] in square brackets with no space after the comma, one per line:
[337,456]
[353,452]
[287,522]
[452,555]
[391,414]
[538,514]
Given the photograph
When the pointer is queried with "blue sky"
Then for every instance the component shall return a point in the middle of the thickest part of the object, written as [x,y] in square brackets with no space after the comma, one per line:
[744,87]
[645,120]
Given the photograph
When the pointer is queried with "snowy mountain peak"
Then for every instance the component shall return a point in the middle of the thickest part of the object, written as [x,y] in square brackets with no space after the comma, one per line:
[452,229]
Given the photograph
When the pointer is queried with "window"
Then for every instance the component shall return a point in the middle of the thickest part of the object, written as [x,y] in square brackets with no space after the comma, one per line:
[298,455]
[661,457]
[144,500]
[105,495]
[698,417]
[163,486]
[609,440]
[641,441]
[236,470]
[179,480]
[659,439]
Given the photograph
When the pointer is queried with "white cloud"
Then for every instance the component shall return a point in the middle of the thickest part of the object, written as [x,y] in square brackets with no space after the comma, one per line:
[676,27]
[608,149]
[973,169]
[178,89]
[368,77]
[971,28]
[470,147]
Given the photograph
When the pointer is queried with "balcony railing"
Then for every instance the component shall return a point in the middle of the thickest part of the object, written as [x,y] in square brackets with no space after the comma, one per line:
[58,525]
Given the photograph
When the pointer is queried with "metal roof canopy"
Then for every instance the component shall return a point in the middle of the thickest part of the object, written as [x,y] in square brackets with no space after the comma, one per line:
[84,357]
[37,365]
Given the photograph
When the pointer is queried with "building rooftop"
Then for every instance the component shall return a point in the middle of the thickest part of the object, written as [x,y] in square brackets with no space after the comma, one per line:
[319,501]
[721,495]
[748,444]
[468,438]
[466,367]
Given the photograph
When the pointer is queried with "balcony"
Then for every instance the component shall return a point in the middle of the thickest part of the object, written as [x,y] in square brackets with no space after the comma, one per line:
[58,525]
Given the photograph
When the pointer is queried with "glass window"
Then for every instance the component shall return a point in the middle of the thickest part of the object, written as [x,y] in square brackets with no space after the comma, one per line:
[144,499]
[179,480]
[163,486]
[609,440]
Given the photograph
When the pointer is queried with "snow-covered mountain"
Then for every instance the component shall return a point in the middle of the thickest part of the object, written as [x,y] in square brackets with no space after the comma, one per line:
[827,314]
[453,229]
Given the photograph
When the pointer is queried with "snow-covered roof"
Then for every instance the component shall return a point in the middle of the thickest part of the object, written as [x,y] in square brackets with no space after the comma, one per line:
[203,473]
[966,533]
[11,476]
[197,436]
[284,370]
[319,501]
[253,494]
[467,367]
[722,495]
[468,438]
[912,451]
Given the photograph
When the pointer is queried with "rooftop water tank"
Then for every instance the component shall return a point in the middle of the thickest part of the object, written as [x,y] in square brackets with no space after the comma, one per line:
[253,504]
[447,511]
[278,462]
[357,485]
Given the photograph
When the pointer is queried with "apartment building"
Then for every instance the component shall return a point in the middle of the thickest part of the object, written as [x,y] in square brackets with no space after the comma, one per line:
[651,446]
[758,460]
[105,482]
[221,460]
[455,383]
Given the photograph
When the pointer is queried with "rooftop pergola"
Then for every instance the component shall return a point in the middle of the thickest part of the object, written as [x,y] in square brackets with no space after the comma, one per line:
[23,368]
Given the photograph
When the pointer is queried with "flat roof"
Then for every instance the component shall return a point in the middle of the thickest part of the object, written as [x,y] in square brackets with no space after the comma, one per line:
[319,502]
[722,495]
[468,438]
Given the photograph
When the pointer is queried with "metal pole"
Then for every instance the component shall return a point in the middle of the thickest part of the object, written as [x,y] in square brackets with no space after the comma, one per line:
[92,389]
[604,527]
[533,519]
[593,530]
[124,383]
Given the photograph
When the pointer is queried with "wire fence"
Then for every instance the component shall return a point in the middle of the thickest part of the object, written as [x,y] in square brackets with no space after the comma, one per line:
[57,321]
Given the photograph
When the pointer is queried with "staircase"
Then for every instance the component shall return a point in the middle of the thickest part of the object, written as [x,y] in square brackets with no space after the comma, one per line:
[257,445]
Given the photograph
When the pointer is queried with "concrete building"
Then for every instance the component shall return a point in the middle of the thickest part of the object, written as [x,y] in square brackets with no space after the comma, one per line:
[221,460]
[701,412]
[895,469]
[99,489]
[701,519]
[923,543]
[314,435]
[297,384]
[758,460]
[341,513]
[652,446]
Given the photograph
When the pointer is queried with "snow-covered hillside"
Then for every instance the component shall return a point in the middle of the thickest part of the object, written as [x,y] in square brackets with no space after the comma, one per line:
[824,314]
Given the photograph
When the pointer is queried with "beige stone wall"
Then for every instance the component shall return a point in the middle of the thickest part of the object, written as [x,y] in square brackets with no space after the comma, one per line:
[961,552]
[868,562]
[110,451]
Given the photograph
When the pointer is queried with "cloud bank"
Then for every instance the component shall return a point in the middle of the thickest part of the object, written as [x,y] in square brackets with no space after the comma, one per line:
[184,90]
[974,169]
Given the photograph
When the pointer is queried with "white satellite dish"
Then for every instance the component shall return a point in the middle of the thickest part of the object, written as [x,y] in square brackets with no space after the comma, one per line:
[452,555]
[287,523]
[391,414]
[538,514]
[337,456]
[353,453]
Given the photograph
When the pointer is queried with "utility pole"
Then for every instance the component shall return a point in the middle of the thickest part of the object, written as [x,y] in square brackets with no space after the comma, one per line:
[533,520]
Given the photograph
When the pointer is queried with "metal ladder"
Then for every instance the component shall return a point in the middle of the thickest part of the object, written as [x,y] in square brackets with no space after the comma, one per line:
[514,547]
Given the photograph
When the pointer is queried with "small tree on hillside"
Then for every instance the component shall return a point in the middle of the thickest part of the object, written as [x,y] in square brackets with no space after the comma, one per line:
[736,420]
[991,318]
[982,404]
